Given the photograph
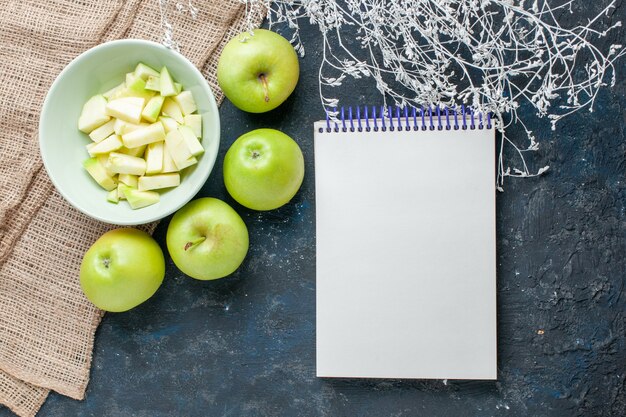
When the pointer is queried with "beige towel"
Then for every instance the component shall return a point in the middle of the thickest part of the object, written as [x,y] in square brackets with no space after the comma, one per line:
[47,326]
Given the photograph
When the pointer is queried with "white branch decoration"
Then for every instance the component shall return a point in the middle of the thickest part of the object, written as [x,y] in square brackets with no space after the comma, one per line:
[492,54]
[166,26]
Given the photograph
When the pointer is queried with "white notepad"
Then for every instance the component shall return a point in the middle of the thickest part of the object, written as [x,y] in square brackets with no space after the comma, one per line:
[406,266]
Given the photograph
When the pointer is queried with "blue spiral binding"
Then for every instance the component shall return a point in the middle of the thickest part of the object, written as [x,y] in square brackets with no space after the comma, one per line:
[419,118]
[406,117]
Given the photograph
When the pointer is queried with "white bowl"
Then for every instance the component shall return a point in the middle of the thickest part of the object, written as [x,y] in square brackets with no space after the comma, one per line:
[62,145]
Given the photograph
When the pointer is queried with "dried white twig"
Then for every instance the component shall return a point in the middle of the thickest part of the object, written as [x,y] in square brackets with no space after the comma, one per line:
[166,26]
[491,54]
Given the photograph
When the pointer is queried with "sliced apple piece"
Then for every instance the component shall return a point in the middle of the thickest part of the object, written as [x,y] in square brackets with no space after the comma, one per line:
[135,83]
[103,132]
[99,174]
[125,164]
[128,179]
[103,158]
[186,102]
[153,108]
[110,144]
[187,163]
[166,85]
[194,121]
[154,158]
[118,126]
[136,87]
[168,162]
[120,192]
[113,197]
[144,71]
[138,151]
[138,199]
[121,127]
[114,91]
[177,147]
[191,140]
[168,123]
[119,93]
[127,92]
[153,83]
[126,108]
[152,133]
[156,182]
[94,114]
[171,109]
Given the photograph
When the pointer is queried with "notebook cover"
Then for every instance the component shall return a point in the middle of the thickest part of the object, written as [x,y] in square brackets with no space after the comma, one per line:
[406,267]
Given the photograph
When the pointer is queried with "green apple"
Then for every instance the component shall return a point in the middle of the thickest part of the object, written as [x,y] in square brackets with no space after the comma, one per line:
[263,169]
[94,114]
[257,73]
[122,269]
[207,239]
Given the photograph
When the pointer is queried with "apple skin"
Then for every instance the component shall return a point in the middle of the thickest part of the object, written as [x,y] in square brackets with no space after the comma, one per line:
[122,269]
[263,169]
[245,65]
[207,239]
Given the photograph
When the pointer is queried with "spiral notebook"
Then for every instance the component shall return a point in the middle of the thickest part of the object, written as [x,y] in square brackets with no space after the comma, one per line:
[406,266]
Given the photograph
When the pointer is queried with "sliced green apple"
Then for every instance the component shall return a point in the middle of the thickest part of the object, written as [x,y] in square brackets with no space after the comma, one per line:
[186,102]
[135,83]
[136,87]
[144,71]
[103,132]
[152,133]
[103,159]
[186,163]
[168,123]
[113,197]
[153,83]
[128,179]
[138,151]
[177,147]
[126,108]
[94,114]
[120,191]
[153,108]
[168,162]
[99,174]
[110,144]
[154,157]
[194,121]
[138,199]
[121,127]
[114,91]
[156,182]
[125,164]
[118,126]
[171,109]
[131,157]
[127,92]
[191,140]
[166,85]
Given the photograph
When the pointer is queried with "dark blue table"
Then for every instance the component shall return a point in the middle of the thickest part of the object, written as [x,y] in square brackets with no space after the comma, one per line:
[245,345]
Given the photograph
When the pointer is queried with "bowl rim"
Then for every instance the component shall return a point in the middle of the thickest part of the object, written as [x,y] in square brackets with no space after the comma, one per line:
[85,56]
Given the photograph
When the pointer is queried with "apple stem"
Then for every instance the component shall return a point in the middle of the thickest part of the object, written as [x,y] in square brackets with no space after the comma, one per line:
[265,87]
[194,242]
